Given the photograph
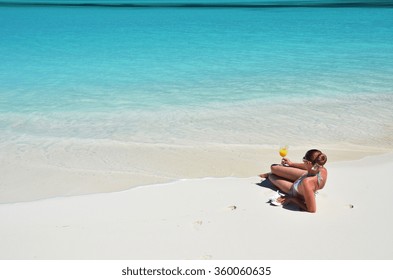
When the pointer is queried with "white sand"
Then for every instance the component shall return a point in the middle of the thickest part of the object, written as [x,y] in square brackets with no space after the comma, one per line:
[193,219]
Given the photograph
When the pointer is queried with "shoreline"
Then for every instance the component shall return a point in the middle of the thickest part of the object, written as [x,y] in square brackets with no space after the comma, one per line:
[211,218]
[64,169]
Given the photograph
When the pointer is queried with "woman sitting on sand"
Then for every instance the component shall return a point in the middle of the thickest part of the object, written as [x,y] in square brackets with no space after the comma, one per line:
[300,181]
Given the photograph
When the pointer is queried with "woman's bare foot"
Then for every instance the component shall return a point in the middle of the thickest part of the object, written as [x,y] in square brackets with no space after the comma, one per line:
[264,175]
[281,199]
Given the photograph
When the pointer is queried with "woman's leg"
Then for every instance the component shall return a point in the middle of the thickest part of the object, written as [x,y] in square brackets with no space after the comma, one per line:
[289,173]
[285,172]
[281,183]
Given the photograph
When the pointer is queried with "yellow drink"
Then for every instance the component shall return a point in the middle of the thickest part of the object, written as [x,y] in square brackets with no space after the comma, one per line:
[283,151]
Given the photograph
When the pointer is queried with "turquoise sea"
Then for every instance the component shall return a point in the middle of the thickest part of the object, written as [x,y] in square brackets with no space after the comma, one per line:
[191,75]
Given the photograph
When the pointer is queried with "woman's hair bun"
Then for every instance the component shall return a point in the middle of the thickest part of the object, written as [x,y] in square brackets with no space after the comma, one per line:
[321,159]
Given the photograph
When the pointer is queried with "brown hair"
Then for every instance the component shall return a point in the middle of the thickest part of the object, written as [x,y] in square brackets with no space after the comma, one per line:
[316,157]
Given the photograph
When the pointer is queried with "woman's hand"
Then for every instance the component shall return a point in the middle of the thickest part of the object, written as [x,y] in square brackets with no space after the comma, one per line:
[286,162]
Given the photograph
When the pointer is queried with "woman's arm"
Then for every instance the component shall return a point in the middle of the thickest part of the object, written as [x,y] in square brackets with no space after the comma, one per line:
[287,162]
[307,190]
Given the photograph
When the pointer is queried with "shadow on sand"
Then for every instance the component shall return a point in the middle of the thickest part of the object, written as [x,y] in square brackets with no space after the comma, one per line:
[269,185]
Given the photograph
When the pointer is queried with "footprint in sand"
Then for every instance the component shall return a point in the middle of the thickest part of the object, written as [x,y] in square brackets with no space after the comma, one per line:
[197,224]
